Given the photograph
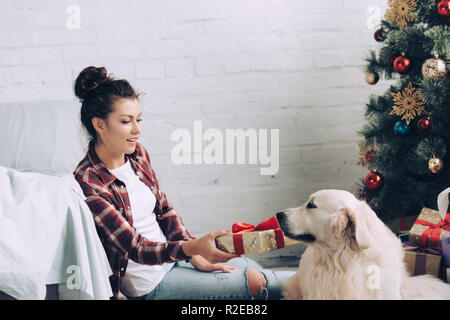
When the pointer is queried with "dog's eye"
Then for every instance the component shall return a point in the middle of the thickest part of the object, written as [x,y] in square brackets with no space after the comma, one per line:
[311,205]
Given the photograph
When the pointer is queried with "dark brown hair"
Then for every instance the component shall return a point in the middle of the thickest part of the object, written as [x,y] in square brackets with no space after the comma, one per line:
[97,93]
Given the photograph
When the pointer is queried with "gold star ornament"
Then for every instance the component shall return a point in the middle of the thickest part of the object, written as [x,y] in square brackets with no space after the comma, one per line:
[408,103]
[400,12]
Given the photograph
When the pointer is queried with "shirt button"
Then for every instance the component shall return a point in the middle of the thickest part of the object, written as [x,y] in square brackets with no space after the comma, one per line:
[122,187]
[121,269]
[128,208]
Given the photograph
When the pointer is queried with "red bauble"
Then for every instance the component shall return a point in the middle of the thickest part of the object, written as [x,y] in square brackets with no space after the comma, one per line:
[443,8]
[424,124]
[374,181]
[402,64]
[380,35]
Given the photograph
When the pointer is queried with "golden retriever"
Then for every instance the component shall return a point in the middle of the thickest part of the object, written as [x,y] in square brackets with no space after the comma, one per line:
[351,253]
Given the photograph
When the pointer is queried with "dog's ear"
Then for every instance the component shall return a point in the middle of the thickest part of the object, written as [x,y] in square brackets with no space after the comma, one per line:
[338,224]
[352,222]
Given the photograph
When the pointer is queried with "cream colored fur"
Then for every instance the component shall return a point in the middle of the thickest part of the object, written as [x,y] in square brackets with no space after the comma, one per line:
[354,255]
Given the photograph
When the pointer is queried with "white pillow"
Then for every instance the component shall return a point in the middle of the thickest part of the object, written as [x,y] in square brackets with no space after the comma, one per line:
[44,136]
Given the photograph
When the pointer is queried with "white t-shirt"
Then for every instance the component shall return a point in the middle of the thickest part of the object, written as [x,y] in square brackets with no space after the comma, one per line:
[140,279]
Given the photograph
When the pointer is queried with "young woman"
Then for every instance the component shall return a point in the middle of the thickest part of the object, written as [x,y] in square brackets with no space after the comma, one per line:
[151,253]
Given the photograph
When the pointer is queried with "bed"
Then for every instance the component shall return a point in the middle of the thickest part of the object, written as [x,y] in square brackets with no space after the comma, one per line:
[49,247]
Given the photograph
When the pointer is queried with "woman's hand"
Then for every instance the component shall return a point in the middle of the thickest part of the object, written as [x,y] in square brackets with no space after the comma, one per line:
[202,264]
[206,247]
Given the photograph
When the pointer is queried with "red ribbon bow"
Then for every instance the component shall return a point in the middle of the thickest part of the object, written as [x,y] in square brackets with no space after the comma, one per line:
[434,230]
[240,228]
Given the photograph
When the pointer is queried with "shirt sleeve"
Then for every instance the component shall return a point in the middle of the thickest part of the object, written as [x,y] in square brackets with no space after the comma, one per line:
[170,222]
[115,229]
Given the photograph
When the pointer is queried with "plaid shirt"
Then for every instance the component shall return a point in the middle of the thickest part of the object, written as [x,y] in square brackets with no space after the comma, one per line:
[108,200]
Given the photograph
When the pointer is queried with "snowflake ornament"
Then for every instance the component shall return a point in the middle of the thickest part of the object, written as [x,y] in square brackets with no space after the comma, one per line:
[409,103]
[400,12]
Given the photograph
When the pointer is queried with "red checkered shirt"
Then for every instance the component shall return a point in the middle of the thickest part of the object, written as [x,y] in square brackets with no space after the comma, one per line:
[108,200]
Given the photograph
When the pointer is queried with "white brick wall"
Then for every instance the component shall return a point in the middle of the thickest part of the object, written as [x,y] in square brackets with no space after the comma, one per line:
[265,64]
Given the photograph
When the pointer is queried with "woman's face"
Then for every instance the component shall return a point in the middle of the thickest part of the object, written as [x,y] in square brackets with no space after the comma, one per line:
[122,128]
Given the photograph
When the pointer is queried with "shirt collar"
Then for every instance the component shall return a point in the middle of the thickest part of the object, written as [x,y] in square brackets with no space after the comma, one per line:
[106,176]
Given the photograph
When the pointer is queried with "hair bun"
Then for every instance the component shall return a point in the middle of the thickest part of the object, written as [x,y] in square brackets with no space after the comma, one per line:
[89,79]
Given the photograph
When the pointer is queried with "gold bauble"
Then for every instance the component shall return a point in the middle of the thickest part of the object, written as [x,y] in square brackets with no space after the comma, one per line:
[372,77]
[434,68]
[435,165]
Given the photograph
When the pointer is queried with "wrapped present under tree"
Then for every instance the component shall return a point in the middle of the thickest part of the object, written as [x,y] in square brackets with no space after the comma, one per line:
[429,228]
[419,260]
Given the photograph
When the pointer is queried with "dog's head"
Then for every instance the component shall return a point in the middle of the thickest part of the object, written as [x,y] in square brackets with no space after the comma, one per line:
[329,218]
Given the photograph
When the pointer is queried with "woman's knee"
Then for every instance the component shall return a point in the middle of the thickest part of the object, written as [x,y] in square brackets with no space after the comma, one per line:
[256,282]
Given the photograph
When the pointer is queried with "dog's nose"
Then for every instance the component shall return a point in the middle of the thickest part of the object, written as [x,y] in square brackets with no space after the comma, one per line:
[280,216]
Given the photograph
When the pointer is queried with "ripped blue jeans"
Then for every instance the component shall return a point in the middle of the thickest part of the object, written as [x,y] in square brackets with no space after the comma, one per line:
[184,282]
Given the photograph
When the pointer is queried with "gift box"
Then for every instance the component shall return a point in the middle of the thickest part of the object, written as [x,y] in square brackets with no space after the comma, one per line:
[429,228]
[419,260]
[248,239]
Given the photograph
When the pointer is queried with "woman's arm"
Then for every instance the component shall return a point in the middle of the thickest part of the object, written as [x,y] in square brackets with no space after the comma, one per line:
[206,247]
[113,227]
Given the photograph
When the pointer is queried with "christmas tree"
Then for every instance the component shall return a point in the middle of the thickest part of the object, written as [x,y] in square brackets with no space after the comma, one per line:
[407,133]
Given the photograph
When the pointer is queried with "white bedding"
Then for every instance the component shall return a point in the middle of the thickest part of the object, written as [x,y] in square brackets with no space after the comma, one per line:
[47,235]
[41,136]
